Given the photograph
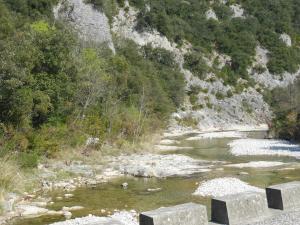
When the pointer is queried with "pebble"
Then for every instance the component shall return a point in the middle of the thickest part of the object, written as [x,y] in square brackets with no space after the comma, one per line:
[67,215]
[125,185]
[68,195]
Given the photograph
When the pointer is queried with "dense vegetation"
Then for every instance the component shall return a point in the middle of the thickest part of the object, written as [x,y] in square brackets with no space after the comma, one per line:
[55,93]
[285,103]
[237,37]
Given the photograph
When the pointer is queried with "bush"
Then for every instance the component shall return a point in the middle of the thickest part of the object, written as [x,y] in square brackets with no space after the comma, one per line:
[196,64]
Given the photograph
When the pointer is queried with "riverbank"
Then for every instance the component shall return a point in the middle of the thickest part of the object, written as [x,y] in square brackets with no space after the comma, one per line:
[101,168]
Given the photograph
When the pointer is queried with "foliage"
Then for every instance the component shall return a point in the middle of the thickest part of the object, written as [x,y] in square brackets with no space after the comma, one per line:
[56,93]
[286,107]
[236,37]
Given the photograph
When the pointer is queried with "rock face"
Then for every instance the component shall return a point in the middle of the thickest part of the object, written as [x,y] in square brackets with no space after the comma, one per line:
[224,113]
[91,24]
[237,10]
[210,14]
[265,78]
[219,107]
[286,39]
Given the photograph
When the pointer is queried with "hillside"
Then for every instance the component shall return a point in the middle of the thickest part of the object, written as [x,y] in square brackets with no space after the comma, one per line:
[91,90]
[230,53]
[108,74]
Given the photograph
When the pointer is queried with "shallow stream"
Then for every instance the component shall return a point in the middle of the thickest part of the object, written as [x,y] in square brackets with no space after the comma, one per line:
[112,196]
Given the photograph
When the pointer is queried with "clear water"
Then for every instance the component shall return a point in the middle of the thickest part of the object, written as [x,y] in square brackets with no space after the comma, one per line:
[174,191]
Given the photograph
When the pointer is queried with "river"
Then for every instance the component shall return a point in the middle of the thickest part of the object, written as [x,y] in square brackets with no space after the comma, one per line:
[174,190]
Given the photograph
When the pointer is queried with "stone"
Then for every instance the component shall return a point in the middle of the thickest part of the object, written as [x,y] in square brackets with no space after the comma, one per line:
[67,215]
[239,208]
[124,185]
[284,196]
[185,214]
[31,211]
[68,195]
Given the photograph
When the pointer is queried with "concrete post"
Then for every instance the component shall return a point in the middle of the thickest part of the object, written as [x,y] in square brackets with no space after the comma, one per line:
[239,208]
[284,196]
[186,214]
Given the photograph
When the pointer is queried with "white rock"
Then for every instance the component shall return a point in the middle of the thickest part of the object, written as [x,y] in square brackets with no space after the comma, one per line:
[238,11]
[264,147]
[55,213]
[224,186]
[92,141]
[68,195]
[154,189]
[256,164]
[31,211]
[124,185]
[154,165]
[210,14]
[91,24]
[67,215]
[286,39]
[267,79]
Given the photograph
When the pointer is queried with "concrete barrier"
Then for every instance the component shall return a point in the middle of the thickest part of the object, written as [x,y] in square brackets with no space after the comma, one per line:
[239,208]
[186,214]
[284,196]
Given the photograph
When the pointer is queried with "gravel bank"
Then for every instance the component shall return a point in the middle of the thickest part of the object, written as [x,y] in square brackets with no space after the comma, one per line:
[264,147]
[224,186]
[155,165]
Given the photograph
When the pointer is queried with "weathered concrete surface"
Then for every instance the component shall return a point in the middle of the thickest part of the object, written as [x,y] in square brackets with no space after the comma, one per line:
[186,214]
[284,196]
[280,218]
[239,208]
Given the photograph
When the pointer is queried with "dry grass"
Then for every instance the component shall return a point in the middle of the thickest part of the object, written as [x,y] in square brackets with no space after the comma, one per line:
[11,177]
[145,144]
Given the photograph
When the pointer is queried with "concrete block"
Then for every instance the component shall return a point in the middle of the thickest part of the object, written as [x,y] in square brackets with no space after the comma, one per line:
[239,208]
[186,214]
[284,196]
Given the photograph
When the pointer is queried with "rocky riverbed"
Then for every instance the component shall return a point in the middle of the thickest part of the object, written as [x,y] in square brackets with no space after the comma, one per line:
[201,166]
